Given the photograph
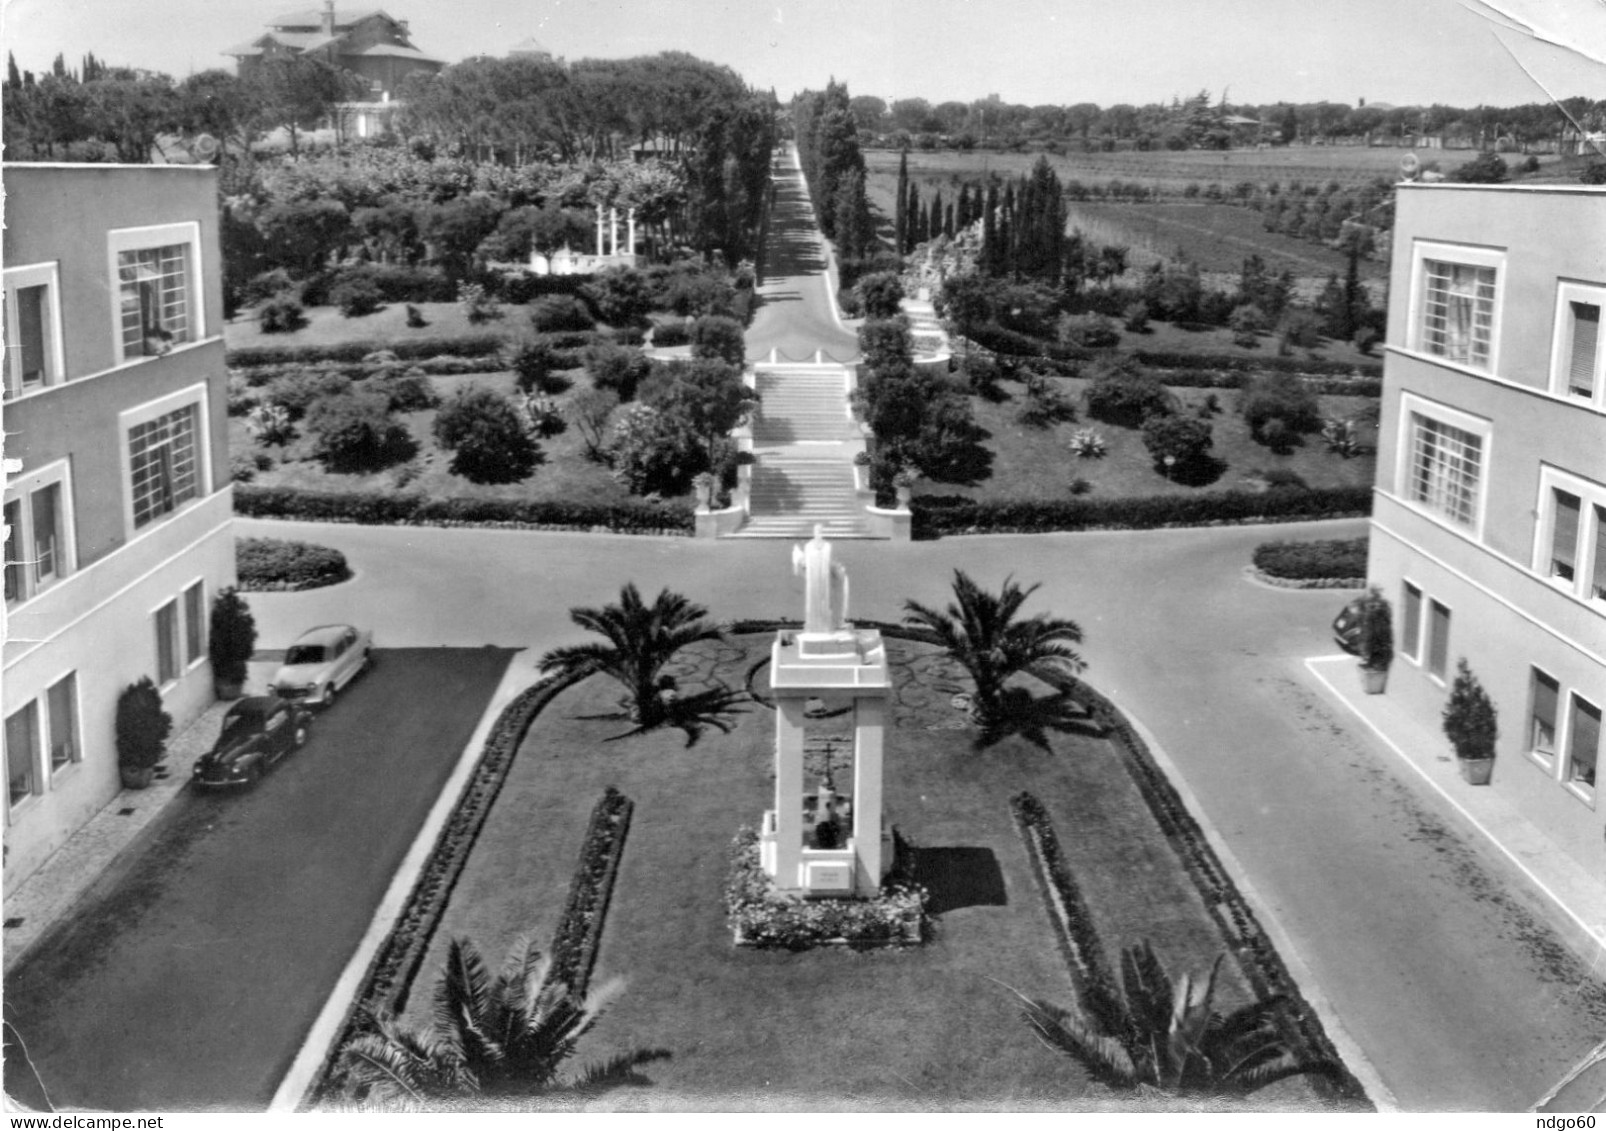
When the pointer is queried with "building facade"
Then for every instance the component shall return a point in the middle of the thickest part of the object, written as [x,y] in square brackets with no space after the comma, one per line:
[117,493]
[1489,523]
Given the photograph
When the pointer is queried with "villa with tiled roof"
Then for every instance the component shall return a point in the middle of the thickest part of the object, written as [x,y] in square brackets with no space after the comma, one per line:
[368,42]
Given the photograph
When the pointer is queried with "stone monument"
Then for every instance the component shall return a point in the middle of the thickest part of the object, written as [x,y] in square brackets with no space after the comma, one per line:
[832,661]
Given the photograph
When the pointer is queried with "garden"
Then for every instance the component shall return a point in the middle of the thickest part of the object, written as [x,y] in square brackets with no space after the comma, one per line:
[1049,851]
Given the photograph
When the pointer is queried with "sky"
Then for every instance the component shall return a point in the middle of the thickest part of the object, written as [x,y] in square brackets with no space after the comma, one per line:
[1399,52]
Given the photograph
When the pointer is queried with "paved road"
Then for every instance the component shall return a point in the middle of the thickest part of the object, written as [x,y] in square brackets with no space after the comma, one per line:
[795,313]
[1452,982]
[190,975]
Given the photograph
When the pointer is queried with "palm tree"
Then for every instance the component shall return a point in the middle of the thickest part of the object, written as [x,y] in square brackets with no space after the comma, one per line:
[510,1034]
[641,639]
[1167,1035]
[981,632]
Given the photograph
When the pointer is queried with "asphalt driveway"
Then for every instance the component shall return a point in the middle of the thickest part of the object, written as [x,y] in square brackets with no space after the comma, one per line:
[188,977]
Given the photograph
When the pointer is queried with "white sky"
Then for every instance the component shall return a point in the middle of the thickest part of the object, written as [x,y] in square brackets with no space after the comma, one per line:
[1031,51]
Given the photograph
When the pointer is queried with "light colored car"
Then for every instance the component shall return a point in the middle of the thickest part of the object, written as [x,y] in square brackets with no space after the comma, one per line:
[321,662]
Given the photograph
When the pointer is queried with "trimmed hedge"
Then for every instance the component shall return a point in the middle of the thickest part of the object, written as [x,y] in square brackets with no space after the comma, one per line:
[1323,560]
[460,345]
[267,564]
[1350,386]
[1002,340]
[445,366]
[574,945]
[374,508]
[1175,359]
[1215,508]
[1097,989]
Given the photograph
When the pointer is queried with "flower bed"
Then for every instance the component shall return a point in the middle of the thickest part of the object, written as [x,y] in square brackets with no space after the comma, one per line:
[461,345]
[761,917]
[1211,508]
[1096,986]
[270,564]
[1323,563]
[574,946]
[375,508]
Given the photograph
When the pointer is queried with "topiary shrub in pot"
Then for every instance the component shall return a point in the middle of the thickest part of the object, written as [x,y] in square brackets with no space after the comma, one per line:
[1470,723]
[1376,641]
[232,640]
[142,730]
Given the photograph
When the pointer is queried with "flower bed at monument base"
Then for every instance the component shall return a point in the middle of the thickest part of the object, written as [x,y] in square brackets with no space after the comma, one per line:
[762,917]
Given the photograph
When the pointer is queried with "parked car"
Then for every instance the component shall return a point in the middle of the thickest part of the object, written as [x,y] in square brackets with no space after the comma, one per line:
[257,732]
[1347,627]
[321,662]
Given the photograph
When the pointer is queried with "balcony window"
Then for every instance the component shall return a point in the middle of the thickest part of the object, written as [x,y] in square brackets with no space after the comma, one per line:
[158,287]
[32,322]
[162,464]
[1445,469]
[1458,312]
[38,547]
[1578,353]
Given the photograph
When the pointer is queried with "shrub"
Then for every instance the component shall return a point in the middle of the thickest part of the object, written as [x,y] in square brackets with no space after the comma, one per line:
[574,943]
[242,468]
[297,392]
[1122,395]
[1283,398]
[1484,169]
[1470,720]
[1300,329]
[620,295]
[1342,437]
[281,314]
[716,336]
[1087,444]
[531,363]
[478,304]
[415,318]
[1045,404]
[232,638]
[270,424]
[667,334]
[1186,440]
[560,312]
[142,726]
[619,369]
[880,294]
[272,563]
[1281,479]
[355,432]
[355,297]
[489,440]
[1090,331]
[1593,174]
[1188,363]
[266,285]
[694,295]
[242,398]
[541,415]
[1313,561]
[654,452]
[1136,318]
[410,391]
[1365,338]
[461,345]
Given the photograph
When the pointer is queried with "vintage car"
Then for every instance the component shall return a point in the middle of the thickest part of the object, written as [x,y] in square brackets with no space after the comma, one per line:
[257,732]
[321,662]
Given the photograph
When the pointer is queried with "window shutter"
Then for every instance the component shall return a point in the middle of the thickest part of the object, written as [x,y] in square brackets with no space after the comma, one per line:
[1545,694]
[1564,542]
[1598,582]
[1586,339]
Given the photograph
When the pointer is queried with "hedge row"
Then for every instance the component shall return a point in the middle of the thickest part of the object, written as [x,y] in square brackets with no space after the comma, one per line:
[1097,989]
[1238,363]
[267,564]
[760,918]
[1002,340]
[1313,561]
[444,366]
[375,508]
[388,981]
[1215,508]
[574,945]
[1349,386]
[457,345]
[1262,966]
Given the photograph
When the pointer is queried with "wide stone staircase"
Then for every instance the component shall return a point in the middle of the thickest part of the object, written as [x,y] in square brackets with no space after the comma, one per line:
[804,440]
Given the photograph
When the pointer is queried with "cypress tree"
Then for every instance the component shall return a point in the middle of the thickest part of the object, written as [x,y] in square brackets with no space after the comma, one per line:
[948,222]
[898,223]
[991,260]
[913,234]
[13,76]
[963,210]
[936,215]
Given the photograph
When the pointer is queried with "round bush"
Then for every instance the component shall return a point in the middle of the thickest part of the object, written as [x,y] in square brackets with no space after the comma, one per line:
[1280,397]
[1313,561]
[272,563]
[409,391]
[281,314]
[297,392]
[356,297]
[1128,398]
[560,312]
[354,432]
[490,442]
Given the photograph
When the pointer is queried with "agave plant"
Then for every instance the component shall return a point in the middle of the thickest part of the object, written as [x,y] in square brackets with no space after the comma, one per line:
[980,630]
[508,1034]
[641,640]
[1168,1035]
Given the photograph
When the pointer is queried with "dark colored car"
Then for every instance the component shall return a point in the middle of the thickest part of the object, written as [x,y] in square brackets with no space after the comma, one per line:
[257,732]
[1347,627]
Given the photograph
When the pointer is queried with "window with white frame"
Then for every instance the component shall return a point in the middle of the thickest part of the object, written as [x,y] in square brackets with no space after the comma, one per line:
[1438,639]
[1578,354]
[33,331]
[1445,453]
[1583,744]
[61,712]
[158,288]
[167,661]
[163,463]
[1544,700]
[1570,541]
[22,753]
[1456,303]
[1411,622]
[39,549]
[194,623]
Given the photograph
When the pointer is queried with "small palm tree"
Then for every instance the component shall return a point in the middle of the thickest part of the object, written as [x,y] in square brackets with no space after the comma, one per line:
[1167,1034]
[510,1034]
[980,630]
[641,640]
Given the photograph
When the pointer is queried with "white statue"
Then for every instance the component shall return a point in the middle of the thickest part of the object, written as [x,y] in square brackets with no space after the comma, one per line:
[825,586]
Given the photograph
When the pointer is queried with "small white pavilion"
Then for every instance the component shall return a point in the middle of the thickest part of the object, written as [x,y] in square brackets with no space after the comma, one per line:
[827,842]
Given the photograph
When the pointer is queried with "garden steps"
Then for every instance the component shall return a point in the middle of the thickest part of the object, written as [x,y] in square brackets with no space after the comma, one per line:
[802,403]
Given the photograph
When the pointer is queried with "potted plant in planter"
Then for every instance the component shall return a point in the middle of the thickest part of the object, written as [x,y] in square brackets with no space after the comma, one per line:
[903,482]
[704,483]
[1470,724]
[1376,639]
[142,730]
[233,640]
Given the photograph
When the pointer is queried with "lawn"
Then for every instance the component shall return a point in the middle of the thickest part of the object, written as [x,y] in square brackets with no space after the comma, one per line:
[1037,463]
[928,1028]
[327,326]
[565,473]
